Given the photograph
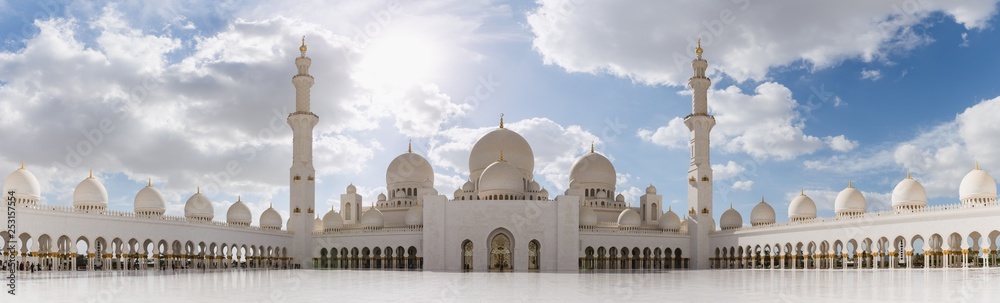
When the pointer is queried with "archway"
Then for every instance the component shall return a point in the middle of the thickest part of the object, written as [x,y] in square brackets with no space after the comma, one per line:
[467,255]
[501,246]
[534,249]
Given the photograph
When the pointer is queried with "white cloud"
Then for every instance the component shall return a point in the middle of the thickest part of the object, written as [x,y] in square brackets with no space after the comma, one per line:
[764,124]
[653,41]
[965,40]
[726,171]
[840,143]
[872,74]
[744,185]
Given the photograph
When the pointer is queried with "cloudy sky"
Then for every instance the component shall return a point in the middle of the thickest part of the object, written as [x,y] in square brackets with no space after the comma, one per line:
[807,94]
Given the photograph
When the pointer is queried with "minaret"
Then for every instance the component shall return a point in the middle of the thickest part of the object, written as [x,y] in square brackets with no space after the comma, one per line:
[302,190]
[700,123]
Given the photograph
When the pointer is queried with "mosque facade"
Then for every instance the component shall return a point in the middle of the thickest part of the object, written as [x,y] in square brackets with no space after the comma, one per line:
[502,220]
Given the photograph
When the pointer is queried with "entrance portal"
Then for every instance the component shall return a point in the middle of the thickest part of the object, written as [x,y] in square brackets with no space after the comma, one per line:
[500,258]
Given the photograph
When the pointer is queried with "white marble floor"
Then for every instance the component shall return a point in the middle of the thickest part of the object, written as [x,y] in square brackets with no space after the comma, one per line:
[935,285]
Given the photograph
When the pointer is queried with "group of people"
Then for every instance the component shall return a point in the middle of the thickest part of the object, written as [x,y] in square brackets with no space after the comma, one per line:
[21,266]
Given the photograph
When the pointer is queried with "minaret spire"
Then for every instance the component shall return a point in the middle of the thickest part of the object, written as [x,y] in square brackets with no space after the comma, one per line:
[700,123]
[302,189]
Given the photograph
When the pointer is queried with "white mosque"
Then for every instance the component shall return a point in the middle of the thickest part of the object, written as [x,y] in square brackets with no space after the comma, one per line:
[501,220]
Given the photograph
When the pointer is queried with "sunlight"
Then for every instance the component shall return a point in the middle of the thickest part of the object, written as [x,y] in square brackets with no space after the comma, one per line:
[399,60]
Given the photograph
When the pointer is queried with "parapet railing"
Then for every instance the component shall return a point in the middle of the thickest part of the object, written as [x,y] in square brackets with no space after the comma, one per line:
[870,215]
[125,214]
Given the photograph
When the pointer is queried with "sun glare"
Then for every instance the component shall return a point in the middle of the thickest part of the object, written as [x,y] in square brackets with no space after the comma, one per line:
[398,61]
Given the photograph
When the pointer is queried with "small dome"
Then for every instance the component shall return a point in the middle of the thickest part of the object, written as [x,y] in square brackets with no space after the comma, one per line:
[24,184]
[977,184]
[850,201]
[92,193]
[730,219]
[651,190]
[332,220]
[351,189]
[515,149]
[468,186]
[239,213]
[544,193]
[762,214]
[587,216]
[415,216]
[620,198]
[270,219]
[372,218]
[670,221]
[381,196]
[533,186]
[149,200]
[408,168]
[317,225]
[802,208]
[199,207]
[292,221]
[909,192]
[629,218]
[593,168]
[501,176]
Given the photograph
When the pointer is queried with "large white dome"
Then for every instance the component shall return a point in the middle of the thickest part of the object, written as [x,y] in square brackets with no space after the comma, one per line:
[372,218]
[802,208]
[629,218]
[670,221]
[24,184]
[149,200]
[199,207]
[730,219]
[239,213]
[415,216]
[587,216]
[516,150]
[409,168]
[501,177]
[761,214]
[977,185]
[593,168]
[332,220]
[90,193]
[270,219]
[909,193]
[850,201]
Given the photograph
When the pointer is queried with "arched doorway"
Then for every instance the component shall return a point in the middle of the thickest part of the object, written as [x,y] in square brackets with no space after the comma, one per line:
[534,249]
[467,256]
[501,246]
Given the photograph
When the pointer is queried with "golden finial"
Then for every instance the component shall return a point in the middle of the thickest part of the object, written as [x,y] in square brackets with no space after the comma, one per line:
[977,165]
[149,182]
[22,164]
[699,50]
[762,198]
[91,176]
[850,183]
[409,146]
[198,190]
[501,156]
[908,173]
[591,146]
[803,192]
[730,205]
[501,120]
[239,198]
[303,47]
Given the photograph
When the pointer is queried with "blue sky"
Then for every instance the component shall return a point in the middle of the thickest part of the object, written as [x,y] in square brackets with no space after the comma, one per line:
[808,95]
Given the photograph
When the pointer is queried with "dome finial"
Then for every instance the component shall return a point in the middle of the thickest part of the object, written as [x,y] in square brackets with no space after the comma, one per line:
[850,183]
[699,50]
[501,156]
[908,173]
[762,198]
[803,192]
[409,147]
[303,47]
[591,146]
[149,182]
[22,164]
[977,165]
[239,198]
[501,120]
[730,205]
[91,176]
[198,190]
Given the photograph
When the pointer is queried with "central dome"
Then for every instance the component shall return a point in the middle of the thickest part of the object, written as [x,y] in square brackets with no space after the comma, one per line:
[850,201]
[239,214]
[149,201]
[408,168]
[593,168]
[90,193]
[516,150]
